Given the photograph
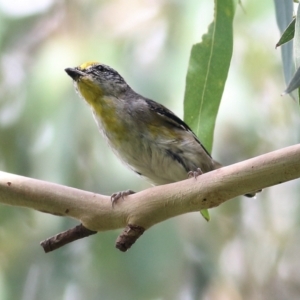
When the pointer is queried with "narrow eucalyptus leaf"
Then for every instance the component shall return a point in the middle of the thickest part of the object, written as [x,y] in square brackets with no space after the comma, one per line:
[288,34]
[207,74]
[294,83]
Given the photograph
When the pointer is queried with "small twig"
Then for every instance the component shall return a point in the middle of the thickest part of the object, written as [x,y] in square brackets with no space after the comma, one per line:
[125,240]
[66,237]
[128,237]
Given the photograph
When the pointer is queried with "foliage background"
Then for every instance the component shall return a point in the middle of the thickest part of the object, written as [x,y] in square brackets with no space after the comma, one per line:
[249,250]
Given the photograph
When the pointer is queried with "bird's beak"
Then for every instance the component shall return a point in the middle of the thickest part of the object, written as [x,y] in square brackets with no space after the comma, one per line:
[74,73]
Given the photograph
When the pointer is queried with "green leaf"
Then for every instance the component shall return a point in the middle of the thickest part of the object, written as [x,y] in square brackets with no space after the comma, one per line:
[295,81]
[284,15]
[297,40]
[207,74]
[205,214]
[288,34]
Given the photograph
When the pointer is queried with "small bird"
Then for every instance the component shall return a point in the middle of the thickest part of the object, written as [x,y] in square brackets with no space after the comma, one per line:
[149,138]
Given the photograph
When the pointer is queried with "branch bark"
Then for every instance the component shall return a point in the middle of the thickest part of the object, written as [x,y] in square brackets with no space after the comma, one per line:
[142,210]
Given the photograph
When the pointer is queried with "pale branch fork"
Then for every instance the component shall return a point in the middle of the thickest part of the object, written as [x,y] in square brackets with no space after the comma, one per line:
[138,212]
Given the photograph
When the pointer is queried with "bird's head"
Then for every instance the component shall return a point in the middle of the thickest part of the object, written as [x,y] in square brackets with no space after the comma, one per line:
[93,80]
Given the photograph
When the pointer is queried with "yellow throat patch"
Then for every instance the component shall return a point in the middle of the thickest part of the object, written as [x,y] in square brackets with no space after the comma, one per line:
[90,91]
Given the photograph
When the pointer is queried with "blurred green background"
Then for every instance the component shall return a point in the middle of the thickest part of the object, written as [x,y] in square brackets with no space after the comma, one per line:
[249,250]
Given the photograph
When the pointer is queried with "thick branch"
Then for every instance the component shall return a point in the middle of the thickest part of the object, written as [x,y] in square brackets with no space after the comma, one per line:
[156,204]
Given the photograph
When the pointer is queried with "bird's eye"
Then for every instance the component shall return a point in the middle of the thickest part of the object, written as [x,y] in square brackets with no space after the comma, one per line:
[100,68]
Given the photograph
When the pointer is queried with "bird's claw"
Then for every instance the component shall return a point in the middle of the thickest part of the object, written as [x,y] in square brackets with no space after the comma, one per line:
[195,173]
[116,196]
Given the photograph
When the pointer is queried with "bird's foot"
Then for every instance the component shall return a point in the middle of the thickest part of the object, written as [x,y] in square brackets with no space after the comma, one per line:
[252,194]
[195,173]
[116,196]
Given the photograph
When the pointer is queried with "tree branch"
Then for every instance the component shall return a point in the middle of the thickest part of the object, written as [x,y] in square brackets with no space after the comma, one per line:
[66,237]
[142,210]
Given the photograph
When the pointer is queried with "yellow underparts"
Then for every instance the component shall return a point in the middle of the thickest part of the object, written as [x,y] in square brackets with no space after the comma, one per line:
[104,107]
[91,92]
